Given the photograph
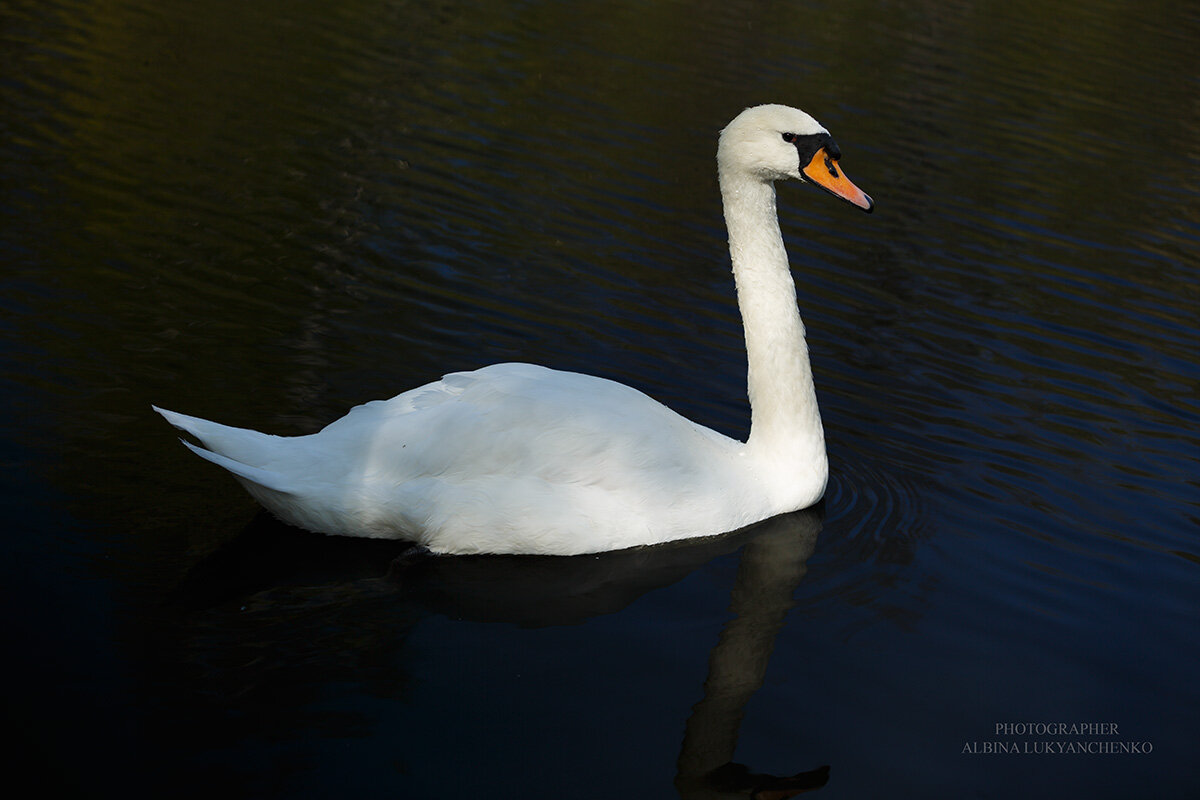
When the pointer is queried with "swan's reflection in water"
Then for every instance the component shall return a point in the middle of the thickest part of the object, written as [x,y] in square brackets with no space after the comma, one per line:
[274,587]
[772,565]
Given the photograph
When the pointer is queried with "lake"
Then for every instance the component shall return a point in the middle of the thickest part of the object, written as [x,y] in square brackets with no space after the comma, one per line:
[266,213]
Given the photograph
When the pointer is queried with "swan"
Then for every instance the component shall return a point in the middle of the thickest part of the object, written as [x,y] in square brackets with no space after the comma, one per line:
[520,459]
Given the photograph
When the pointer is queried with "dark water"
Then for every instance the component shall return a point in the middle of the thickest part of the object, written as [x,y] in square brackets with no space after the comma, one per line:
[266,212]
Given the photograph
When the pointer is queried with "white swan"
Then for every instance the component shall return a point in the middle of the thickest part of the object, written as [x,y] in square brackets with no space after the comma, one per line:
[515,458]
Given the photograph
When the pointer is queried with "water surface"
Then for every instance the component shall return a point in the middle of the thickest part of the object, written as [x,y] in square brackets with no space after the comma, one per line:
[265,213]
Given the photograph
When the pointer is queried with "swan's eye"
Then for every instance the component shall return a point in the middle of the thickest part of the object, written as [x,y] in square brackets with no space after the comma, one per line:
[789,137]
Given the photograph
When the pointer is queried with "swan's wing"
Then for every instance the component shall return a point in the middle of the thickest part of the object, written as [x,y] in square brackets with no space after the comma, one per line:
[519,458]
[519,420]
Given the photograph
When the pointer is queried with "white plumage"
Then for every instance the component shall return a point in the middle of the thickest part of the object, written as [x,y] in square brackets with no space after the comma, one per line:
[516,458]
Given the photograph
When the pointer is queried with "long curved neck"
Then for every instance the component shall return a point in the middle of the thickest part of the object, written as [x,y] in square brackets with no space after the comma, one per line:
[785,422]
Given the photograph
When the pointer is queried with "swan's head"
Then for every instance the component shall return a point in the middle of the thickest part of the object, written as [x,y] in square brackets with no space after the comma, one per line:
[775,142]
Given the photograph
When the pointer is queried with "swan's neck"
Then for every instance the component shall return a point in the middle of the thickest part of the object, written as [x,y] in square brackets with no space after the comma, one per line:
[785,424]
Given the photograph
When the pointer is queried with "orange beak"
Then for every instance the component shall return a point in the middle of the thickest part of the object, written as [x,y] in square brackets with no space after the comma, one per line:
[825,172]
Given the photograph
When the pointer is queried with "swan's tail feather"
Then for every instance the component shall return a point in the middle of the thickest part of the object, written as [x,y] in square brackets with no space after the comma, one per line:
[259,477]
[237,443]
[238,450]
